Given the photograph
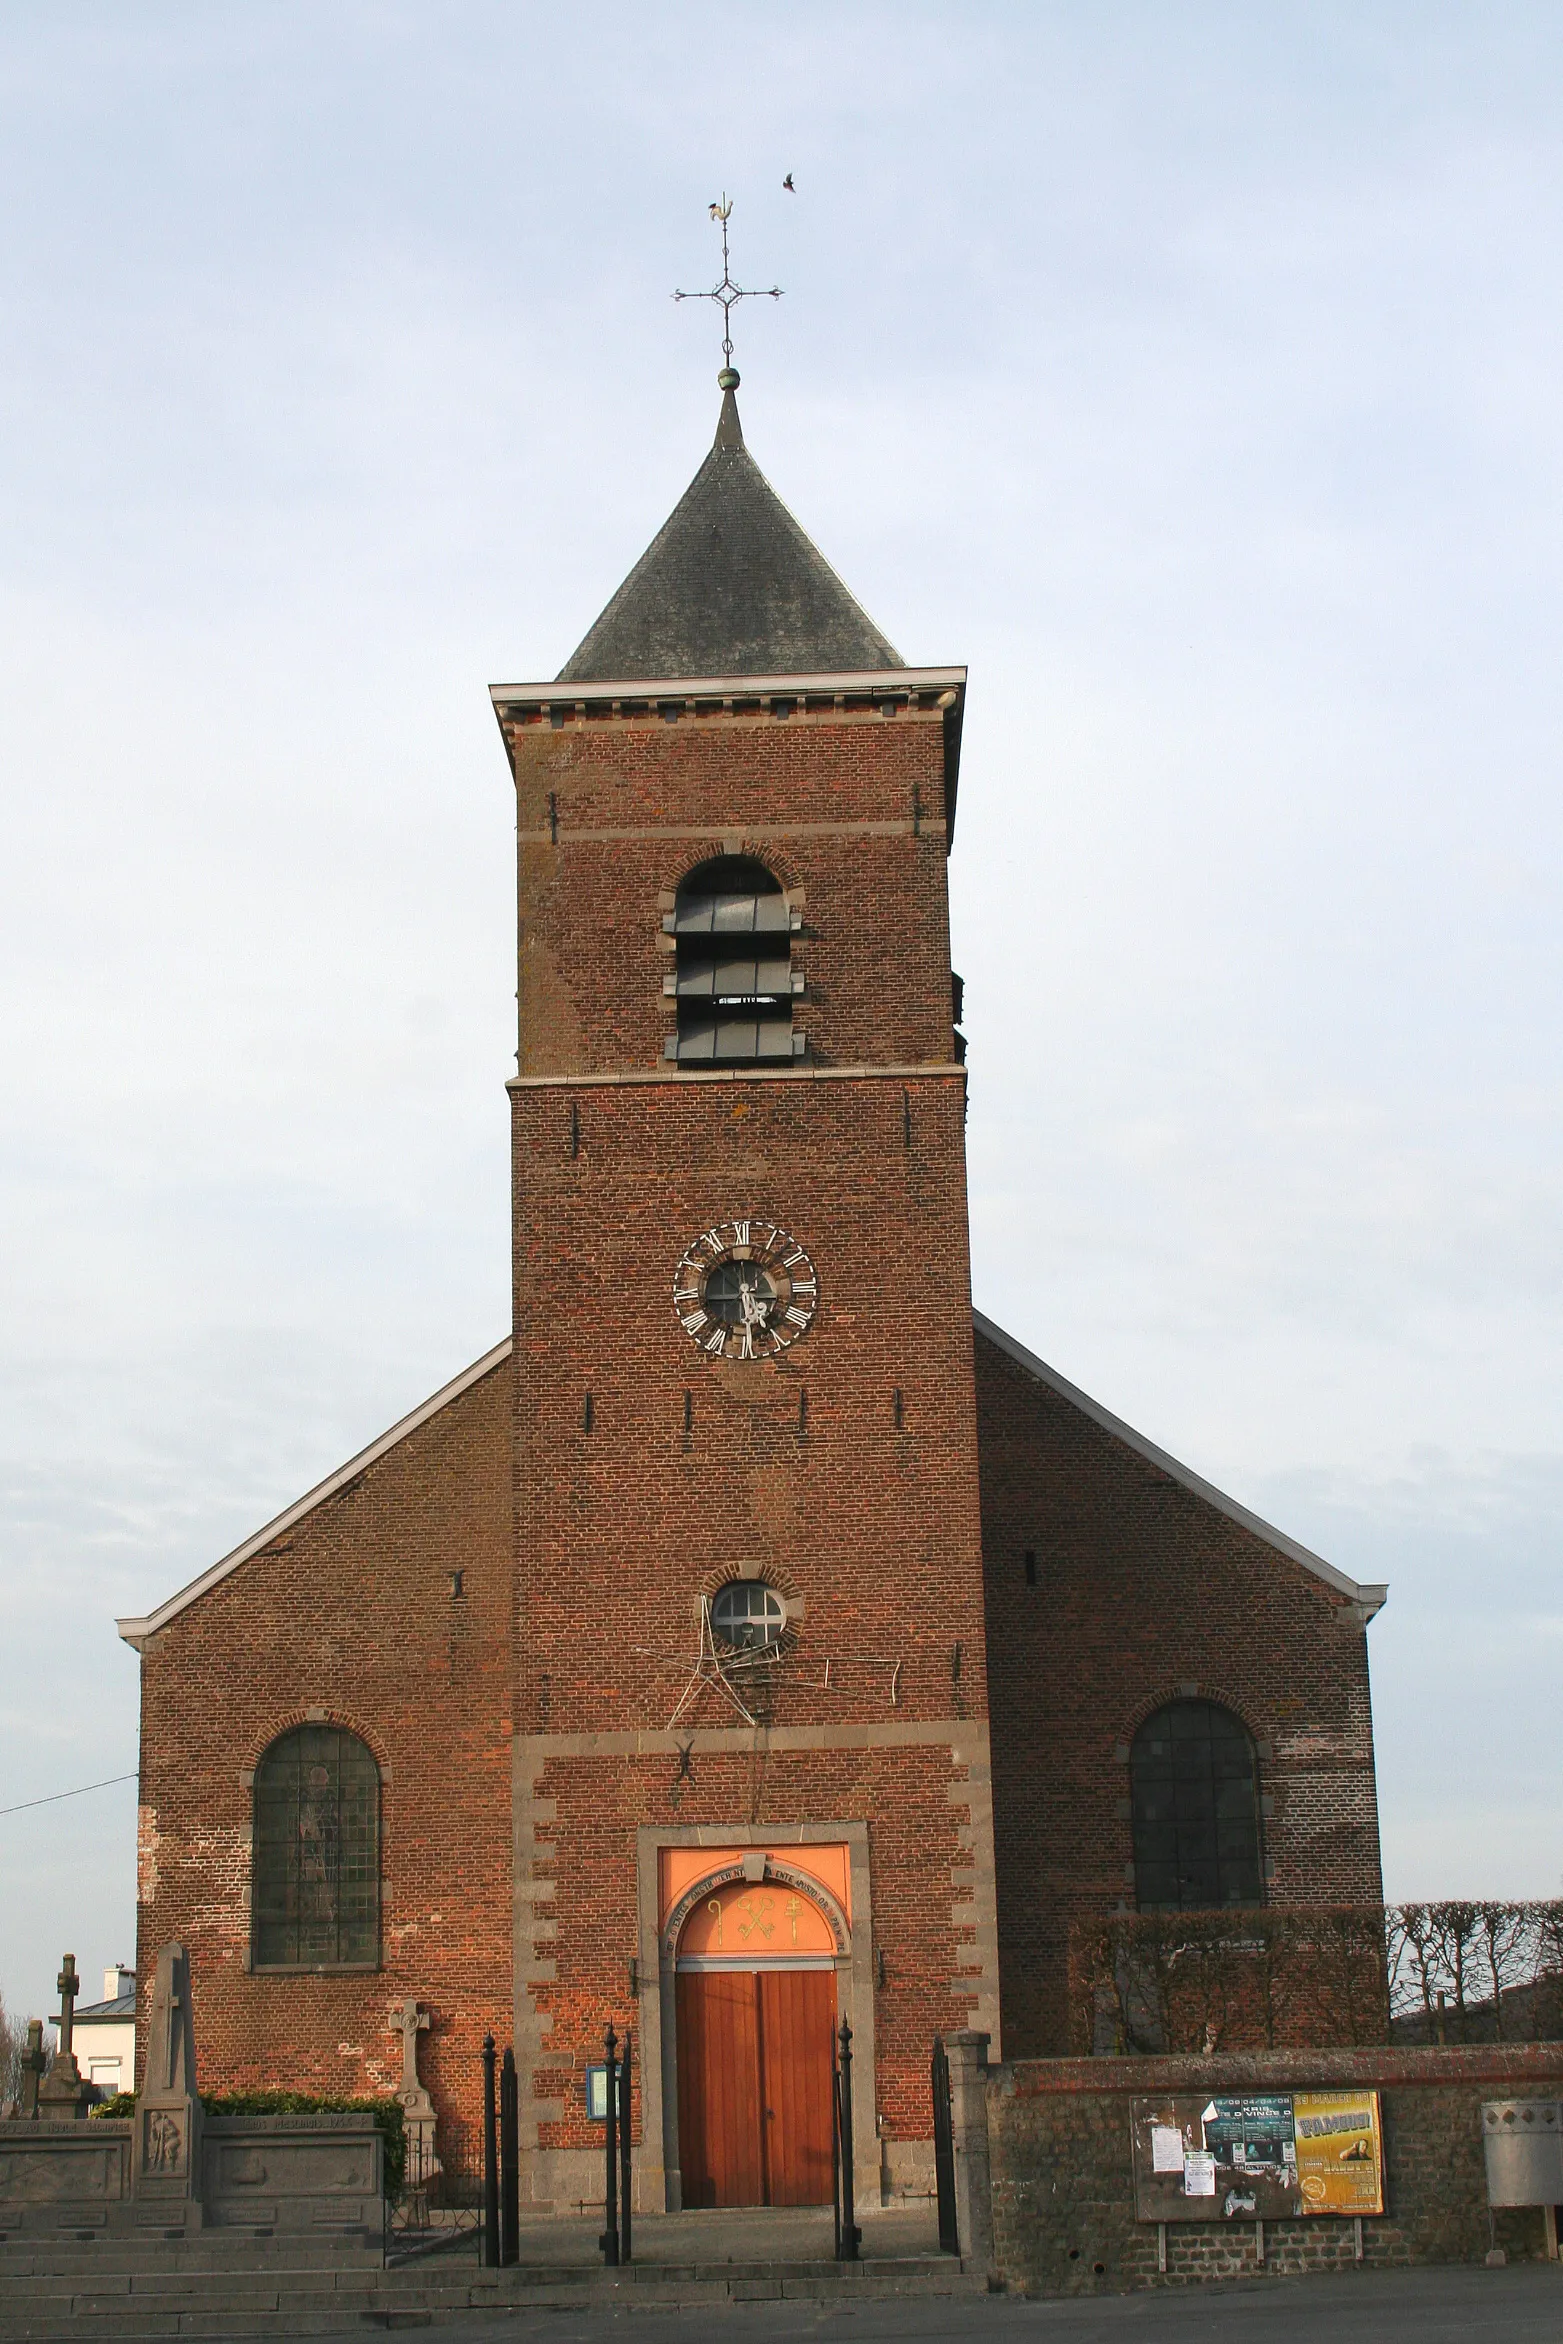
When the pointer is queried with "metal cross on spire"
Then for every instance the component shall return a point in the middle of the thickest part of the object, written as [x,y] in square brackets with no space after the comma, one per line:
[727,293]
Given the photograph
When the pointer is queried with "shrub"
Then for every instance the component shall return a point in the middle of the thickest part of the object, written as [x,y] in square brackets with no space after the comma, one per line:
[1286,1976]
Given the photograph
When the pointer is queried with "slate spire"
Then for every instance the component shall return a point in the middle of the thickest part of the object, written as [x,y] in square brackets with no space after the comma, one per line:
[730,586]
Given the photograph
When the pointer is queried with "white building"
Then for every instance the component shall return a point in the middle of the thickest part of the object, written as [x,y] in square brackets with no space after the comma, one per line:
[105,2034]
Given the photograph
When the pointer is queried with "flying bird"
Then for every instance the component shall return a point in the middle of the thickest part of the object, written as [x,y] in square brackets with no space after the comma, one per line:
[787,183]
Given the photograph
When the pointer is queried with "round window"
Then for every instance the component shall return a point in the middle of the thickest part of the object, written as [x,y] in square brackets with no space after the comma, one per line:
[739,1294]
[746,1614]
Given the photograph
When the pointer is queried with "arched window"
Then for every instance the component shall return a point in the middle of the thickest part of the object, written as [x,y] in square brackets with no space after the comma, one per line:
[316,1878]
[733,965]
[1196,1810]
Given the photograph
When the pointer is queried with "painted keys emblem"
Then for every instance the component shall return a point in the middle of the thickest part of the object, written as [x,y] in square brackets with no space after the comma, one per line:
[745,1290]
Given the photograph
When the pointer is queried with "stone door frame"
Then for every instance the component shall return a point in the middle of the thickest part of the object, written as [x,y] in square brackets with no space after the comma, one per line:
[657,2175]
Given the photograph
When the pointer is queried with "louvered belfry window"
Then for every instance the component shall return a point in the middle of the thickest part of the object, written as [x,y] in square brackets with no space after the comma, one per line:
[733,966]
[316,1887]
[1196,1810]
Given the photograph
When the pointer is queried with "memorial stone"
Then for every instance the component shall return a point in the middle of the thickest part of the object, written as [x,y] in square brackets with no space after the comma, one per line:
[34,2061]
[62,2092]
[166,2164]
[409,2020]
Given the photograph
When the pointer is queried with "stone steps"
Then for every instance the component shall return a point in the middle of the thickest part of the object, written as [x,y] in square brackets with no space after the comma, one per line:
[205,2251]
[214,2303]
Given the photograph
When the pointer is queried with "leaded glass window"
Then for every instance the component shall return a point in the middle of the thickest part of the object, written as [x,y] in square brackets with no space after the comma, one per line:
[316,1888]
[1196,1810]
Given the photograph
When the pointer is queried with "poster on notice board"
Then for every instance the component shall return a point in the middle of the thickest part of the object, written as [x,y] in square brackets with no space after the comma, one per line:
[1256,2157]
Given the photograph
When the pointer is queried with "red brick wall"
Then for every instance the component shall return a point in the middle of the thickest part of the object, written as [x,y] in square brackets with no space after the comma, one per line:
[350,1612]
[900,1568]
[1143,1589]
[911,1800]
[869,1525]
[874,1528]
[828,805]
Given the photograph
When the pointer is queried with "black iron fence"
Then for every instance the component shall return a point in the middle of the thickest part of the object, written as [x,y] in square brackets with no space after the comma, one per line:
[617,2233]
[848,2236]
[501,2229]
[944,2151]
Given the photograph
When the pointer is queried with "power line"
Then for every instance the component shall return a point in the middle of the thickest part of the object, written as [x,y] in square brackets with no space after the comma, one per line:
[75,1794]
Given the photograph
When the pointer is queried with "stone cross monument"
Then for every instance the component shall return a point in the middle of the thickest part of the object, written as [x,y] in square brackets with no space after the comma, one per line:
[410,2020]
[34,2062]
[62,2092]
[166,2158]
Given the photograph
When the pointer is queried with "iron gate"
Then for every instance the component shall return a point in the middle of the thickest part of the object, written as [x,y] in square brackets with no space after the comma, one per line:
[944,2151]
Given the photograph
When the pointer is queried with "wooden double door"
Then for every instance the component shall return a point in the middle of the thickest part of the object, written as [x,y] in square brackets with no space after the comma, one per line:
[754,2086]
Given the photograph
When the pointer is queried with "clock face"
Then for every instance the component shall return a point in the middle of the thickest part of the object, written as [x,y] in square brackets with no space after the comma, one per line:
[745,1290]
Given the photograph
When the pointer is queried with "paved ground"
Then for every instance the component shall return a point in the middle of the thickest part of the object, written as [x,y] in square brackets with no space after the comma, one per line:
[1523,2305]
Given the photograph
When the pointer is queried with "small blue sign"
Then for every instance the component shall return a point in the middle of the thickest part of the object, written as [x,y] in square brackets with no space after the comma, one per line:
[597,2094]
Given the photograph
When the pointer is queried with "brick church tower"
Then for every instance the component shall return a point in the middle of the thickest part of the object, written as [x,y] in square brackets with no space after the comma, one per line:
[643,1674]
[752,1784]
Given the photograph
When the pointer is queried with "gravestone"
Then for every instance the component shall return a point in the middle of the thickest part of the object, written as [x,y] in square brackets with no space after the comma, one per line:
[62,2092]
[409,2020]
[35,2060]
[166,2158]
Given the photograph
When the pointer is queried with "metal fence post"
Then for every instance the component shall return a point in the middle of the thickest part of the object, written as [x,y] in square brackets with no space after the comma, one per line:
[624,2151]
[851,2235]
[610,2234]
[944,2152]
[509,2162]
[490,2161]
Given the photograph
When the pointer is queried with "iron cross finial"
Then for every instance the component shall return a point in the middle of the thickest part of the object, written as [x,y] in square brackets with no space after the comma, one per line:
[727,293]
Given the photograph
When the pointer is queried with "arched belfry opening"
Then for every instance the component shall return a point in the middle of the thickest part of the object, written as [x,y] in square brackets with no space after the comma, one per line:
[733,975]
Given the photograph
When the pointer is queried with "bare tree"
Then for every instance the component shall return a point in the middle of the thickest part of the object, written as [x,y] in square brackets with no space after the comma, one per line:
[13,2042]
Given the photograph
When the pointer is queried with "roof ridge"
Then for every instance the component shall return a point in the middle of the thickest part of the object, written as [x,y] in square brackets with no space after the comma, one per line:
[136,1631]
[1371,1596]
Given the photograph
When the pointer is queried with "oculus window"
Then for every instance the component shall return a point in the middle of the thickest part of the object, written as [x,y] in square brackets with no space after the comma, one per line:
[1195,1792]
[733,966]
[746,1615]
[316,1891]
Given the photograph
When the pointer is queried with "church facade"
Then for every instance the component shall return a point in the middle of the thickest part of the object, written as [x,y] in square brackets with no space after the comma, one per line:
[757,1637]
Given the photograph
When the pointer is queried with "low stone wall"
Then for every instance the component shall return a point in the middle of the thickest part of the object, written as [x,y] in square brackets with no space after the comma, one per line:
[282,2173]
[293,2172]
[1062,2174]
[79,2167]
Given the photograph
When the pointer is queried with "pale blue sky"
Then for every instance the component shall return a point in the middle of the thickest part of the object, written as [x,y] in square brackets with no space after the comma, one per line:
[1191,371]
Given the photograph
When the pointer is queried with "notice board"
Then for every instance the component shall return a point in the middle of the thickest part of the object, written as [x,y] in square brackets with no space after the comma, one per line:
[1259,2156]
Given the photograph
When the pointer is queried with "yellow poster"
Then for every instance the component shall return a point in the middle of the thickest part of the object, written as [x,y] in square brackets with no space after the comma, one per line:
[1340,2152]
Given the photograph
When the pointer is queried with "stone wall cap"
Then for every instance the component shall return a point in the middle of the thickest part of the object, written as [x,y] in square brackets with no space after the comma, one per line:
[65,2128]
[1237,2071]
[228,2120]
